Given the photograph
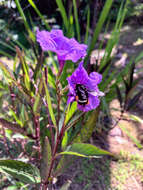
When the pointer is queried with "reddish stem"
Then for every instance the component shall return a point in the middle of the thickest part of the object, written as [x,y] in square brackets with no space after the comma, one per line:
[37,128]
[59,137]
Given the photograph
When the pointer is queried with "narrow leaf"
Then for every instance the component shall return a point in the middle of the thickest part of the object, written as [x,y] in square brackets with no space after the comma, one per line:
[24,19]
[85,150]
[76,20]
[39,14]
[99,25]
[6,70]
[134,100]
[16,117]
[25,68]
[87,26]
[26,173]
[70,111]
[65,141]
[131,74]
[48,98]
[63,13]
[66,185]
[46,159]
[119,95]
[135,141]
[88,128]
[136,118]
[38,96]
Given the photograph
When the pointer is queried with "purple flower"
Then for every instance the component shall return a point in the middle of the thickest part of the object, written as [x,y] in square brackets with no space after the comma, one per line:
[65,48]
[84,89]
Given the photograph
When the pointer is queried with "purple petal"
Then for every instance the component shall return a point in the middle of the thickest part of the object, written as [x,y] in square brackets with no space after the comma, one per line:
[75,50]
[71,98]
[45,40]
[56,32]
[66,49]
[93,80]
[71,85]
[96,77]
[75,55]
[79,76]
[93,104]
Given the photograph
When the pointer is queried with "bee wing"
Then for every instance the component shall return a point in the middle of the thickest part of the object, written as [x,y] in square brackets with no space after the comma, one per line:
[97,93]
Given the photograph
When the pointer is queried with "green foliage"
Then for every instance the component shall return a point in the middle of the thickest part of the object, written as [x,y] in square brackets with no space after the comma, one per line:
[84,150]
[100,23]
[46,159]
[134,140]
[49,103]
[26,173]
[88,128]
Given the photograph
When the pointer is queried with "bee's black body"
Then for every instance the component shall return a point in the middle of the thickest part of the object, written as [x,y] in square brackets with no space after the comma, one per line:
[81,94]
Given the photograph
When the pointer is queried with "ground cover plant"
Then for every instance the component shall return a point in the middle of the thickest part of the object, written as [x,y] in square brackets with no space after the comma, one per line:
[53,93]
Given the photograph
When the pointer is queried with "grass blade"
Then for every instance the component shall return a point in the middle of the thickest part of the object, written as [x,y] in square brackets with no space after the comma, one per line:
[87,26]
[137,143]
[24,19]
[63,13]
[39,14]
[100,23]
[76,20]
[48,98]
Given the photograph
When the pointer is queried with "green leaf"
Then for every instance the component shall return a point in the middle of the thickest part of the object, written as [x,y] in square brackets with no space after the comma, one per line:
[99,25]
[114,37]
[48,98]
[87,130]
[136,118]
[6,71]
[65,141]
[63,13]
[15,117]
[85,150]
[37,103]
[61,121]
[66,185]
[46,159]
[139,57]
[87,26]
[26,173]
[25,68]
[6,54]
[70,111]
[74,120]
[24,19]
[39,14]
[135,141]
[76,20]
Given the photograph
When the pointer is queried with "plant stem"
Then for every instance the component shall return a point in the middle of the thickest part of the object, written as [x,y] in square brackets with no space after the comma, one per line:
[37,128]
[59,137]
[49,119]
[58,99]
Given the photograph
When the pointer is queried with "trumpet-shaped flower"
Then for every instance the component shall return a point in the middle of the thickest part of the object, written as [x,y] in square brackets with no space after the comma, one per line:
[83,89]
[65,48]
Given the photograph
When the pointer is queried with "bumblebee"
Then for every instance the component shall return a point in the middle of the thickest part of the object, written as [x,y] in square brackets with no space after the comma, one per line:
[81,94]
